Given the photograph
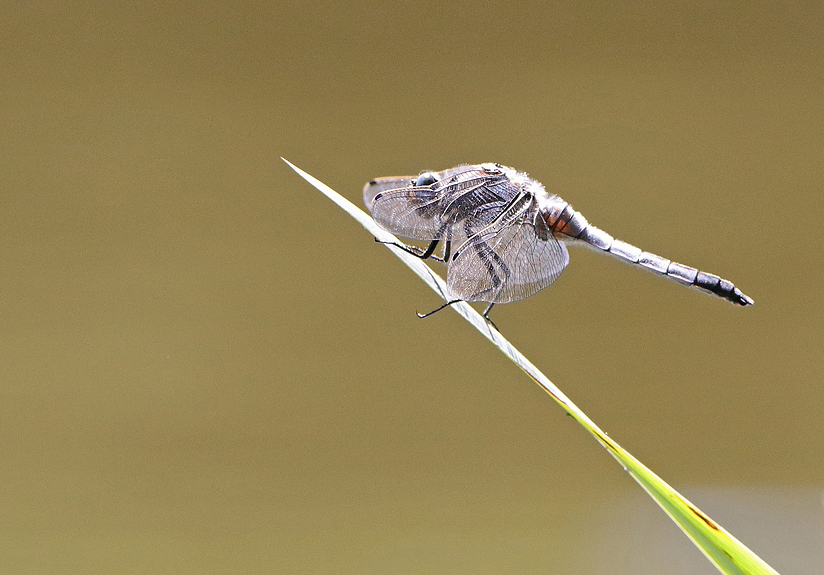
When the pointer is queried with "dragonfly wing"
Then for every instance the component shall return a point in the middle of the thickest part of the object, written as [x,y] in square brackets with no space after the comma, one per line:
[505,262]
[411,212]
[378,185]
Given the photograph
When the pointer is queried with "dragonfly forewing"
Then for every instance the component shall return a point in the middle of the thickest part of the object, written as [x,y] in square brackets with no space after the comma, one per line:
[413,212]
[378,185]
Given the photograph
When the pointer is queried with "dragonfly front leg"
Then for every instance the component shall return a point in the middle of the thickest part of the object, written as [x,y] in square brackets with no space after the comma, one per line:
[439,308]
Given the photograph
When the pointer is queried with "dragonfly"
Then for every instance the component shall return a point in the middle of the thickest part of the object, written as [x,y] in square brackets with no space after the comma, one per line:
[504,236]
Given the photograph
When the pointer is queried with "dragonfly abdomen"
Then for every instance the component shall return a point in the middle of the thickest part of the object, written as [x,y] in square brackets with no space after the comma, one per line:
[565,221]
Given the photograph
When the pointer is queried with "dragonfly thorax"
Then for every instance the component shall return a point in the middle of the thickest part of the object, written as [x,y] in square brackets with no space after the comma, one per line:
[560,217]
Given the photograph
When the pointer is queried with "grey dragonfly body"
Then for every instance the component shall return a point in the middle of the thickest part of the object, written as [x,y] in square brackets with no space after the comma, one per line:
[504,235]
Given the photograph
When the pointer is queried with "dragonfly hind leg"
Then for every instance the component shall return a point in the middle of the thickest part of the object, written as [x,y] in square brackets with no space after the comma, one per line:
[485,314]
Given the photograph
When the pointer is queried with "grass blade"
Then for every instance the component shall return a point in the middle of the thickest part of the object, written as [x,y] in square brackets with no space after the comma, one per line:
[728,554]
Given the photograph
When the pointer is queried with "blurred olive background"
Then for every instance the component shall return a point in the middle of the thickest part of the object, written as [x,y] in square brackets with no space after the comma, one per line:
[206,367]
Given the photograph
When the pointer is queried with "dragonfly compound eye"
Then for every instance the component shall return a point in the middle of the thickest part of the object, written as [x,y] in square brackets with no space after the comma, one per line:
[426,179]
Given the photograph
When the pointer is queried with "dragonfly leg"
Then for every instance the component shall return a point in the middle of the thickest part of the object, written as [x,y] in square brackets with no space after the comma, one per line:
[485,315]
[447,250]
[415,250]
[439,308]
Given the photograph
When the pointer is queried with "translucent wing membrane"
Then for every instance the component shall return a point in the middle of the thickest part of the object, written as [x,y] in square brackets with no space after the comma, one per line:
[412,212]
[507,260]
[378,185]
